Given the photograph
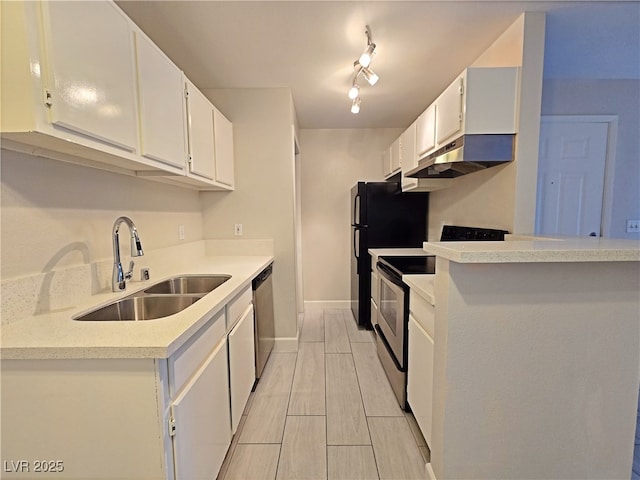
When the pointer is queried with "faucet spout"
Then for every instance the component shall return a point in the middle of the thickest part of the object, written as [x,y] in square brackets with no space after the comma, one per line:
[119,277]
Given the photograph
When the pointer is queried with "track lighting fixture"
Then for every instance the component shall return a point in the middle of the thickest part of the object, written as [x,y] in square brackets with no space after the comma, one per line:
[361,66]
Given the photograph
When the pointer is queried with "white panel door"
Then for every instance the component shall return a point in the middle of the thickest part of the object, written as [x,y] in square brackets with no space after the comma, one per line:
[571,178]
[201,134]
[242,367]
[90,65]
[162,107]
[202,420]
[420,377]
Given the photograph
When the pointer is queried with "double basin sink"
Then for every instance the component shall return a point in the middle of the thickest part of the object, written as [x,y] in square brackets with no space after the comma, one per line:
[159,300]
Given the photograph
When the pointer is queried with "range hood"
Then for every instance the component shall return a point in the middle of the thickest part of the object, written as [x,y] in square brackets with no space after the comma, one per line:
[466,154]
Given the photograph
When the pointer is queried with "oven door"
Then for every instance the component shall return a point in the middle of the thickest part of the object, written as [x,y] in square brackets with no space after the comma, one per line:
[391,313]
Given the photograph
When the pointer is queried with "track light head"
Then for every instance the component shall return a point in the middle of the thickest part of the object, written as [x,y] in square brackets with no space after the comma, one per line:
[354,91]
[355,105]
[367,55]
[370,76]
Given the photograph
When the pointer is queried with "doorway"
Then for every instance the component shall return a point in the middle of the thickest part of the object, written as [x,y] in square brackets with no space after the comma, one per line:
[574,180]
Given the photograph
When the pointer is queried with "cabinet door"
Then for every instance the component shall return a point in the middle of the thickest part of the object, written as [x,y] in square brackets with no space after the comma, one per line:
[201,134]
[162,105]
[449,111]
[386,162]
[409,156]
[90,71]
[223,132]
[242,367]
[420,377]
[395,156]
[202,420]
[426,131]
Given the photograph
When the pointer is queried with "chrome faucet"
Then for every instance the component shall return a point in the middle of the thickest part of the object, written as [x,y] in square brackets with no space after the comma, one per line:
[119,277]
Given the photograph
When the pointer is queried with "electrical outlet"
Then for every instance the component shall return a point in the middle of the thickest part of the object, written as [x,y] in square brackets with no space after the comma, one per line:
[181,232]
[237,230]
[633,226]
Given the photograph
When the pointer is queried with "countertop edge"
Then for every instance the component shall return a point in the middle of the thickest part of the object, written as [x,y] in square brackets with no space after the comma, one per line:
[537,251]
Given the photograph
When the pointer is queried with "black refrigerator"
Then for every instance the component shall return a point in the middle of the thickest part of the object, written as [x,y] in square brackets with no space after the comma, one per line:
[381,216]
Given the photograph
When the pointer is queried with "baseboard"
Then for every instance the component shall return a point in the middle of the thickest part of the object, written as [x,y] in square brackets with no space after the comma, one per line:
[315,304]
[286,344]
[430,474]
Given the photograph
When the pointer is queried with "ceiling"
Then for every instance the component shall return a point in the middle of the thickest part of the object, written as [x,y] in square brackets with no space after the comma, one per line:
[310,47]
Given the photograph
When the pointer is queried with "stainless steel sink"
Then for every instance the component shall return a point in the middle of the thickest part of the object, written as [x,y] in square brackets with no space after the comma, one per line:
[188,284]
[145,307]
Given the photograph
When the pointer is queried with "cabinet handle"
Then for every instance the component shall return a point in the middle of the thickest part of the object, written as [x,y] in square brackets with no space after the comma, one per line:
[48,98]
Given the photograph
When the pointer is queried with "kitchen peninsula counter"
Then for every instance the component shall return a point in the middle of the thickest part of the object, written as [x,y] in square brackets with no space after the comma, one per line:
[536,359]
[57,336]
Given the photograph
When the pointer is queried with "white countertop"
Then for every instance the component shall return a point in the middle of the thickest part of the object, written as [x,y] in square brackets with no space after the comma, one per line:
[57,335]
[542,250]
[422,285]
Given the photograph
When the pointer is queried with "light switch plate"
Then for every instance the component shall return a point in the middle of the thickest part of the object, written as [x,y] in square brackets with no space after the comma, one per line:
[237,230]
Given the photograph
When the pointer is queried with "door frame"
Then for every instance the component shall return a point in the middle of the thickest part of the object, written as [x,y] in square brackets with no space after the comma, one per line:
[610,158]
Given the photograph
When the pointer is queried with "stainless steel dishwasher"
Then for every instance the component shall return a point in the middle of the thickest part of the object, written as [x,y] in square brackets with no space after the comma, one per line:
[264,320]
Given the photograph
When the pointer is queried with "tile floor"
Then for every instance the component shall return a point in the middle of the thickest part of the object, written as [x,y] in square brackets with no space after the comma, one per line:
[326,412]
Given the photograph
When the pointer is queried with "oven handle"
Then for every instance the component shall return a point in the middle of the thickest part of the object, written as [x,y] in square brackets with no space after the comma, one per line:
[389,274]
[388,348]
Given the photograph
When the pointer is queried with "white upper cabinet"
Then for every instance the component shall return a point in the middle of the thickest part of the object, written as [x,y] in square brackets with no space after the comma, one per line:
[83,84]
[409,140]
[425,133]
[391,159]
[223,134]
[201,134]
[161,97]
[482,100]
[90,79]
[210,141]
[449,111]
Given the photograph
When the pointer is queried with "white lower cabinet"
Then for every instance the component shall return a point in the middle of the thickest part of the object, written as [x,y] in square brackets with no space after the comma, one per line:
[242,367]
[161,418]
[420,377]
[201,420]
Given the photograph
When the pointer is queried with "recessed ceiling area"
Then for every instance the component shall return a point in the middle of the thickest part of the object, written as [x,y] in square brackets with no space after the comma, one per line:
[310,47]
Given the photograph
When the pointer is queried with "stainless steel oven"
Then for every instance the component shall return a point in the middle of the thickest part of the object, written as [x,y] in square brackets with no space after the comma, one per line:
[393,307]
[392,329]
[391,311]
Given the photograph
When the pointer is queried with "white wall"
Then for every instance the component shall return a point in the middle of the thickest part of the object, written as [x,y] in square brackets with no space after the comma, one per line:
[56,214]
[332,162]
[592,67]
[607,97]
[263,200]
[503,196]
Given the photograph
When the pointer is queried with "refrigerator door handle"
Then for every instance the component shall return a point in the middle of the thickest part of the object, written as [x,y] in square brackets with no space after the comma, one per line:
[356,209]
[356,251]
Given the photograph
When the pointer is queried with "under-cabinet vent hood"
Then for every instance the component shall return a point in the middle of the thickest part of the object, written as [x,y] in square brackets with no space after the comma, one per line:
[466,154]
